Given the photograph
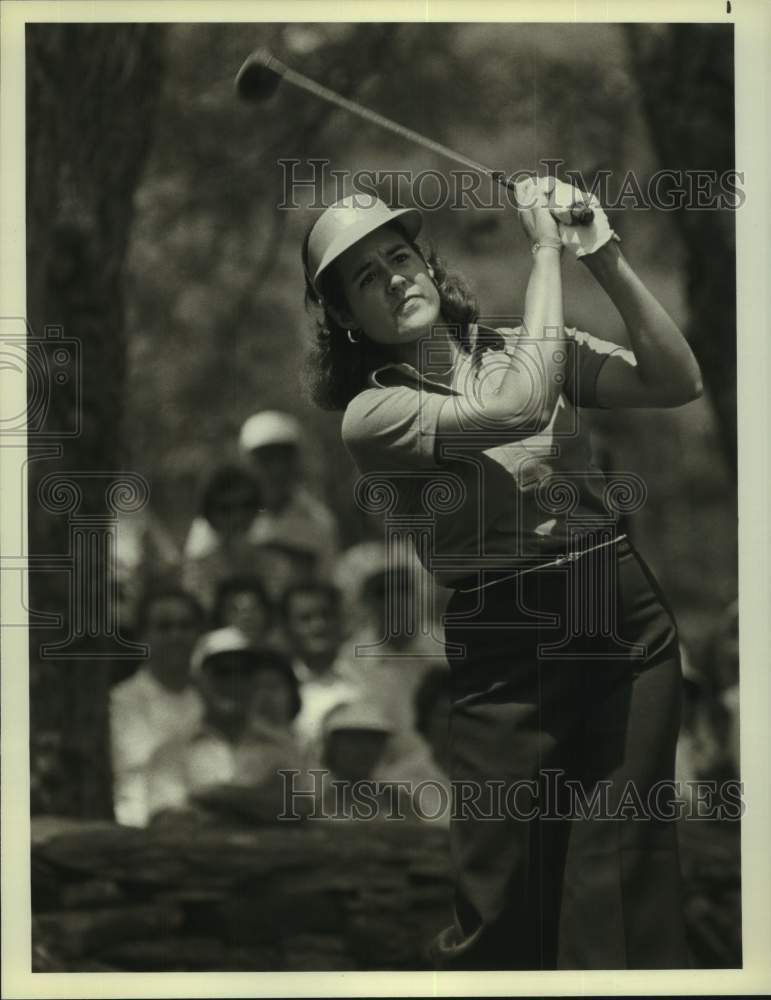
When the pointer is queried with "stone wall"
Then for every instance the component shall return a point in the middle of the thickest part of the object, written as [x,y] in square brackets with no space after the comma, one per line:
[314,896]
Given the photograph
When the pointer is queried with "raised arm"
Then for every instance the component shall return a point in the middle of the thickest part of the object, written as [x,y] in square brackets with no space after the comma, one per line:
[515,392]
[664,372]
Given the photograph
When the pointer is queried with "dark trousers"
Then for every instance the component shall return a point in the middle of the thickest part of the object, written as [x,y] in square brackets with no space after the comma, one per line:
[566,684]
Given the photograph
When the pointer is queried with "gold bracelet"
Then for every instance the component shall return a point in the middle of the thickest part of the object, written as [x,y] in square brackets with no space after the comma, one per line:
[554,244]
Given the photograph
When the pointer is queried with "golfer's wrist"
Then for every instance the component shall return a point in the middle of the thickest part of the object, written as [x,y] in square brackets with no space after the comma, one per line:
[546,254]
[547,245]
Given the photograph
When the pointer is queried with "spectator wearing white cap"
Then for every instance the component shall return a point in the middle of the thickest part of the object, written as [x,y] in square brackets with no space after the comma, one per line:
[271,443]
[250,696]
[227,668]
[361,777]
[354,744]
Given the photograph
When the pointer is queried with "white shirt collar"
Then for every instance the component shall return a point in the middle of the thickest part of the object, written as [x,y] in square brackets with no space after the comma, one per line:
[412,373]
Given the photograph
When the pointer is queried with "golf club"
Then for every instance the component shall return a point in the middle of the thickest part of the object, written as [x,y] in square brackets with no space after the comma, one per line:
[259,78]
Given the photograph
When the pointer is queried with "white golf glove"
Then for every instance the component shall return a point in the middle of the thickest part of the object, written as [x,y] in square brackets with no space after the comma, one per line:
[579,239]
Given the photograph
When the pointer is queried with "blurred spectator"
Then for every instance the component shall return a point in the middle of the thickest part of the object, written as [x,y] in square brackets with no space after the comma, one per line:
[268,742]
[312,619]
[217,544]
[729,700]
[697,746]
[283,566]
[225,665]
[427,764]
[251,697]
[368,559]
[722,667]
[271,444]
[157,703]
[354,737]
[353,567]
[388,649]
[354,742]
[145,551]
[721,660]
[708,750]
[704,750]
[355,747]
[242,601]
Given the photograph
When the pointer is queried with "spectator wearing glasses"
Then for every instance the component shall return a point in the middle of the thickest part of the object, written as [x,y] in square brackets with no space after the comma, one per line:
[217,544]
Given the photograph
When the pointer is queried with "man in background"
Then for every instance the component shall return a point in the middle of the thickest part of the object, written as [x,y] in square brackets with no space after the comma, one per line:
[156,704]
[270,442]
[311,614]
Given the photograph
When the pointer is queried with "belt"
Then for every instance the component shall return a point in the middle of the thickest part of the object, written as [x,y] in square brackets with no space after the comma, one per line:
[559,561]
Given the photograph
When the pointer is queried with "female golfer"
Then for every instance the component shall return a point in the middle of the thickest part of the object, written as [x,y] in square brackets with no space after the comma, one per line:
[564,654]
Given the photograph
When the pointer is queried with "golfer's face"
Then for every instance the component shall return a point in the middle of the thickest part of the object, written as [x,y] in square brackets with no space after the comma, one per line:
[390,293]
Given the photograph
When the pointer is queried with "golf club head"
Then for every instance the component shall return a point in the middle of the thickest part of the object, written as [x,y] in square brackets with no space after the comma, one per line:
[259,77]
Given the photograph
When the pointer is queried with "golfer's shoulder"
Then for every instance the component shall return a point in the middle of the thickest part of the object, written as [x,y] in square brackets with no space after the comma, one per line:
[507,336]
[386,421]
[374,408]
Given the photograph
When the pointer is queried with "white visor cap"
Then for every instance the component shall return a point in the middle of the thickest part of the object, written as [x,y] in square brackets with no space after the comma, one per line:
[348,221]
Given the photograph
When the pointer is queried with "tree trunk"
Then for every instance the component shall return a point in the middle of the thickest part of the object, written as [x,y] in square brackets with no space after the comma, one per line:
[91,96]
[685,75]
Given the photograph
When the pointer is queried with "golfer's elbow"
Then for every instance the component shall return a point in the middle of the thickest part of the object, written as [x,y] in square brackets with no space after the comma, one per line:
[694,390]
[687,387]
[674,394]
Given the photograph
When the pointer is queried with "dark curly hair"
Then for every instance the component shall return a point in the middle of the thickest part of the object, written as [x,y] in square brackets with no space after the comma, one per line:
[337,370]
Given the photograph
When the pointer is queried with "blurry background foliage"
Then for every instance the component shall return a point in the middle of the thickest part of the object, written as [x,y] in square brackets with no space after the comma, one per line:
[215,319]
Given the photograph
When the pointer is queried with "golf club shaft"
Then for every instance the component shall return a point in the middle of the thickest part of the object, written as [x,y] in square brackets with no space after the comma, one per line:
[305,83]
